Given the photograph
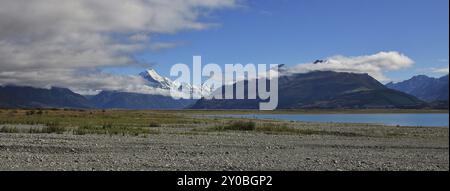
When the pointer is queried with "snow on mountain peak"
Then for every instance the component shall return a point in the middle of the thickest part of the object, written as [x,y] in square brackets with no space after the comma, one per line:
[157,81]
[152,73]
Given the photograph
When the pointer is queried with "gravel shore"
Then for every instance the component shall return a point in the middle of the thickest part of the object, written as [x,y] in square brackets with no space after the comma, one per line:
[178,150]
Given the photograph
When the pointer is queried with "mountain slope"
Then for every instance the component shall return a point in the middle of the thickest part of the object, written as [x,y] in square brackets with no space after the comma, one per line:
[324,89]
[157,81]
[124,100]
[424,87]
[28,97]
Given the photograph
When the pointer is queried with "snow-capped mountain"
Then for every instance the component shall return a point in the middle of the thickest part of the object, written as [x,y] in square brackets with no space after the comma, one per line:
[157,81]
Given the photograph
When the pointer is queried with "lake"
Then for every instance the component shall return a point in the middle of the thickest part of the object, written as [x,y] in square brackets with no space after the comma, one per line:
[410,119]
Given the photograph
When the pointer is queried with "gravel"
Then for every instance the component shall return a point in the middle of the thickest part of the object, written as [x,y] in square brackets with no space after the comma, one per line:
[225,151]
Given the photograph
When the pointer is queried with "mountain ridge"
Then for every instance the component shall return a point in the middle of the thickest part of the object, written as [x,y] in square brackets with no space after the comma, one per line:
[126,100]
[317,89]
[423,87]
[30,97]
[325,89]
[155,80]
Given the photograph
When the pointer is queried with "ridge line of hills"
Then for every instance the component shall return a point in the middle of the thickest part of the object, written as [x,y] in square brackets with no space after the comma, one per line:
[318,89]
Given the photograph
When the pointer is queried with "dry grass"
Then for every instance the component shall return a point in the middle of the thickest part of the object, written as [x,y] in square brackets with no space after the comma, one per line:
[82,122]
[113,130]
[6,129]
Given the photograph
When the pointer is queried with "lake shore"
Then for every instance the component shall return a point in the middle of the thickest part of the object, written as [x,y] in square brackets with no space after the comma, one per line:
[314,111]
[177,142]
[389,119]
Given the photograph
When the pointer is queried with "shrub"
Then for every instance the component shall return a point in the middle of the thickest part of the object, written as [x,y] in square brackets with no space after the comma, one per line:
[30,112]
[238,126]
[154,124]
[107,126]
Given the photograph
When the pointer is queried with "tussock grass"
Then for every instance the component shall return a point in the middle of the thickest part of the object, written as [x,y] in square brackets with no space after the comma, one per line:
[53,127]
[81,122]
[113,122]
[49,128]
[6,129]
[274,128]
[110,129]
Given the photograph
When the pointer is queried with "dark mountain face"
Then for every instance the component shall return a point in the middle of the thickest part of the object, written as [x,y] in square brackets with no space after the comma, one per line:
[325,90]
[424,87]
[443,92]
[123,100]
[28,97]
[310,90]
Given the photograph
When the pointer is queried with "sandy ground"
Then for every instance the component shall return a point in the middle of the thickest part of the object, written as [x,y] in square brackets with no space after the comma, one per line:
[177,149]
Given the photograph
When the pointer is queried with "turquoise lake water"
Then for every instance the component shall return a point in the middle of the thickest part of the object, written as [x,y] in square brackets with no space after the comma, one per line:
[416,119]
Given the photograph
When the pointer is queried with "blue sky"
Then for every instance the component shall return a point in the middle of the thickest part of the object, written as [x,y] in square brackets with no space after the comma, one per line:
[298,31]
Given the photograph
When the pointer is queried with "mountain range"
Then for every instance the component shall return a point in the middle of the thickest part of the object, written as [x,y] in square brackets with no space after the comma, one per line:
[155,80]
[324,89]
[29,97]
[125,100]
[319,89]
[423,87]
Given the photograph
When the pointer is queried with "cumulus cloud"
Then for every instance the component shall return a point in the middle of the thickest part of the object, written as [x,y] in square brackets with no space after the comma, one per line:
[375,65]
[84,82]
[54,42]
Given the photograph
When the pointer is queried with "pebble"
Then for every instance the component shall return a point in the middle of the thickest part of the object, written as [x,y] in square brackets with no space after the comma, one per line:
[222,151]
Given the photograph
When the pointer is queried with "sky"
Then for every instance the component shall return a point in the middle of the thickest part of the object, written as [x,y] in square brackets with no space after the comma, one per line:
[293,32]
[90,46]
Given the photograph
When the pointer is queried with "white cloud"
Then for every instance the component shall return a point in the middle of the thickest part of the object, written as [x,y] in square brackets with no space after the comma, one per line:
[157,46]
[50,42]
[86,82]
[375,65]
[139,38]
[444,70]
